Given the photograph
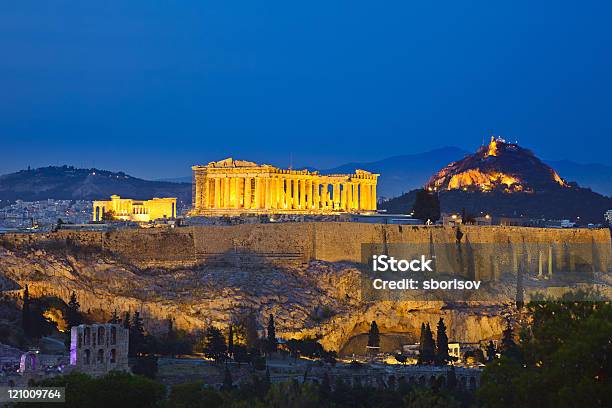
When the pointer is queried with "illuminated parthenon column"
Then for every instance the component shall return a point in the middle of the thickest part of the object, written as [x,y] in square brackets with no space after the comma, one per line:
[234,187]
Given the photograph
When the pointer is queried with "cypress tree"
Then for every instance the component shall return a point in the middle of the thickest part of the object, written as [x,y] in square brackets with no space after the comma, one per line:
[427,352]
[442,343]
[126,321]
[230,341]
[73,313]
[374,335]
[171,334]
[136,334]
[272,344]
[491,351]
[508,345]
[26,317]
[426,206]
[422,336]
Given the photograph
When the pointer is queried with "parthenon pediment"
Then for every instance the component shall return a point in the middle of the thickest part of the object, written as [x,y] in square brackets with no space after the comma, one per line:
[230,162]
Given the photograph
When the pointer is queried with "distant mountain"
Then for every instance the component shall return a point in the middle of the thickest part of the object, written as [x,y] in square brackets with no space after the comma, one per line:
[70,183]
[505,179]
[400,174]
[597,177]
[184,179]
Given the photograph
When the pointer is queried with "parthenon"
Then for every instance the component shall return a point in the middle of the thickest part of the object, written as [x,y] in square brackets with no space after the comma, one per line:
[234,187]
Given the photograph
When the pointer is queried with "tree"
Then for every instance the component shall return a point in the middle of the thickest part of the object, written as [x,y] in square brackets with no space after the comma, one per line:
[137,335]
[26,318]
[427,398]
[194,395]
[426,206]
[491,351]
[114,319]
[508,345]
[442,356]
[170,334]
[246,329]
[115,389]
[427,348]
[126,321]
[73,313]
[374,336]
[565,358]
[272,343]
[230,341]
[214,344]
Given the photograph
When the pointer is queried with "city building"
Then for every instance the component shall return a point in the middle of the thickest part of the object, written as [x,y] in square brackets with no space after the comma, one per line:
[454,350]
[608,216]
[559,224]
[43,215]
[451,219]
[400,219]
[126,209]
[234,187]
[99,348]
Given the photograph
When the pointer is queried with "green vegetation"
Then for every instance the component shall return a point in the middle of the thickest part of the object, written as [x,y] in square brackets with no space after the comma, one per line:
[426,206]
[427,348]
[260,393]
[563,359]
[271,344]
[116,389]
[214,344]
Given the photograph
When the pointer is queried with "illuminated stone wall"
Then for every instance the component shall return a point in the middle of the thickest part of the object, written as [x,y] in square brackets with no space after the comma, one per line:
[284,244]
[233,187]
[127,209]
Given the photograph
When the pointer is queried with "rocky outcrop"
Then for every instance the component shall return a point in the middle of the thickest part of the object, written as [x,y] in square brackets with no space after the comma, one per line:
[255,268]
[198,297]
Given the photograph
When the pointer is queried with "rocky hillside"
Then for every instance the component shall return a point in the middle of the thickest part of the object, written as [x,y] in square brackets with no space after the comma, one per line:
[70,183]
[305,274]
[317,299]
[498,166]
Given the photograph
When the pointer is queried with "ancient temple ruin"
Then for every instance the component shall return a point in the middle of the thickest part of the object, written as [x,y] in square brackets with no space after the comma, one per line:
[234,187]
[99,348]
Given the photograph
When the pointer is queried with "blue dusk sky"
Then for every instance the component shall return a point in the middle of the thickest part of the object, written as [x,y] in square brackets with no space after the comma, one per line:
[152,87]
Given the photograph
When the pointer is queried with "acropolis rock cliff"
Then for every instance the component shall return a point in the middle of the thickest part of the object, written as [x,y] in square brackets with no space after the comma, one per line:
[209,275]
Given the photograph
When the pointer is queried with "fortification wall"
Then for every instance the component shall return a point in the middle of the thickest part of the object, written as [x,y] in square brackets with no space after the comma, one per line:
[286,243]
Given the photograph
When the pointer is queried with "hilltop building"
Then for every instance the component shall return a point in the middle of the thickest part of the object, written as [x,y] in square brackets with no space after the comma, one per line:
[234,187]
[126,209]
